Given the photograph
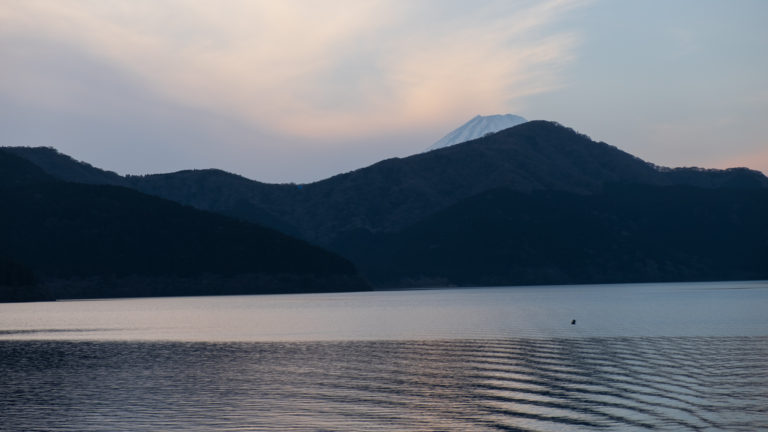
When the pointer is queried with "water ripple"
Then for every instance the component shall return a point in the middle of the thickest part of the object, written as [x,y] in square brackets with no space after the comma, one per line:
[625,383]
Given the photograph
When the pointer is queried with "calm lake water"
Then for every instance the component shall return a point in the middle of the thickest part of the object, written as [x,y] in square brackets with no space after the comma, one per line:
[640,357]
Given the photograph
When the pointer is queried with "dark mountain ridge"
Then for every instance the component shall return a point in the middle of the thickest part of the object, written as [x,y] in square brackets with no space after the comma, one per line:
[85,240]
[396,193]
[64,167]
[16,170]
[536,203]
[625,233]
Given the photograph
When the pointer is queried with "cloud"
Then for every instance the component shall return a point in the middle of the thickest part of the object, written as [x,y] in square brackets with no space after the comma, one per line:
[327,70]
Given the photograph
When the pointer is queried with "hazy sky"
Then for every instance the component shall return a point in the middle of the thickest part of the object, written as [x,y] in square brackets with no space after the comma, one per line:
[285,91]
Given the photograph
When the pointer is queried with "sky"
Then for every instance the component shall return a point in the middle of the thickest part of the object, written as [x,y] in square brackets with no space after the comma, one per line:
[297,91]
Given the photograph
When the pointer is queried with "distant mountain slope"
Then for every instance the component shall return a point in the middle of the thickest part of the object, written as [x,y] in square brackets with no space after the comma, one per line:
[478,127]
[536,155]
[380,216]
[17,170]
[18,283]
[226,193]
[66,168]
[627,233]
[208,189]
[84,240]
[396,193]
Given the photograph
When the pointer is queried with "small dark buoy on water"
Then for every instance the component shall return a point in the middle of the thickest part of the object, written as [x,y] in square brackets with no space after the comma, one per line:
[573,322]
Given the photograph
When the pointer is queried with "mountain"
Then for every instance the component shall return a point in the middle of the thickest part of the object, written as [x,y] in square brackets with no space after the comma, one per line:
[478,127]
[64,167]
[18,283]
[78,240]
[16,170]
[384,203]
[395,193]
[209,189]
[626,233]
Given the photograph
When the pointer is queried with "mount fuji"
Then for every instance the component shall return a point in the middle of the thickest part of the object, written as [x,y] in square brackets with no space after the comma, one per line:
[478,127]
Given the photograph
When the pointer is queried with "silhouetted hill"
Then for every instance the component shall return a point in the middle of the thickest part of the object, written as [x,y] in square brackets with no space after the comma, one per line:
[714,178]
[209,189]
[66,168]
[103,241]
[16,171]
[223,192]
[18,283]
[627,233]
[388,207]
[395,193]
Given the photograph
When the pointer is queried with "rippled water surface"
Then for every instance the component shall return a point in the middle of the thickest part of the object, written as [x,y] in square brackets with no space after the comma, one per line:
[640,357]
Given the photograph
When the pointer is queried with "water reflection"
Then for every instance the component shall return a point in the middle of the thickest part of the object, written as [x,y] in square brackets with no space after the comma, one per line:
[659,383]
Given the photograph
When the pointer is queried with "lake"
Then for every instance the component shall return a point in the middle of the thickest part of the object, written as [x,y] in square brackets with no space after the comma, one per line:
[687,356]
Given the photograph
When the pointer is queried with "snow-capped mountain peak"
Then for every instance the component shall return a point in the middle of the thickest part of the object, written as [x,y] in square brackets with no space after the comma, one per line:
[478,127]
